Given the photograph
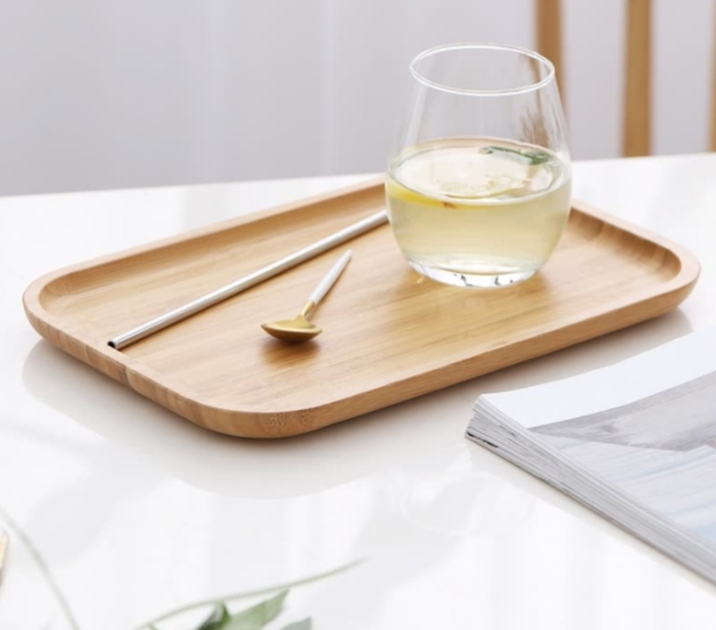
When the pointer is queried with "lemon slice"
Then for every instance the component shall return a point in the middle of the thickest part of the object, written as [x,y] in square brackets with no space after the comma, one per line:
[400,192]
[490,187]
[453,193]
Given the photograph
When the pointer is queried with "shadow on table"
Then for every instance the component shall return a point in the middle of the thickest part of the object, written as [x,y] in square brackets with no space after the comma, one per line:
[228,466]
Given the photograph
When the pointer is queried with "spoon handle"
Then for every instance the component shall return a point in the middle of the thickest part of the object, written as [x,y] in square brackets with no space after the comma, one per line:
[329,279]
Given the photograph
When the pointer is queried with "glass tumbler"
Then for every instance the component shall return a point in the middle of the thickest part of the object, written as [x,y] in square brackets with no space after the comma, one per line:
[478,184]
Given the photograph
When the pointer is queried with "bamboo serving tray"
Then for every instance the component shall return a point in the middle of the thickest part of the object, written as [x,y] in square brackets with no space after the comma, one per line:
[389,334]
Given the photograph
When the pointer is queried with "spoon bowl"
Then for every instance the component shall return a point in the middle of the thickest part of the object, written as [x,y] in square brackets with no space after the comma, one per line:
[300,329]
[293,330]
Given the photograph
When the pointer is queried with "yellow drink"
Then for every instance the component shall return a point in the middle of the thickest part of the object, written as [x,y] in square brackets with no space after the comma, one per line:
[478,212]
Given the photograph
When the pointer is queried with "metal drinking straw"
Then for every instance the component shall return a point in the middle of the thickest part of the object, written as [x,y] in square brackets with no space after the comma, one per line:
[252,279]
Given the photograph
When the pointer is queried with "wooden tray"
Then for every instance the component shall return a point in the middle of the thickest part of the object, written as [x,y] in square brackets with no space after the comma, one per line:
[390,335]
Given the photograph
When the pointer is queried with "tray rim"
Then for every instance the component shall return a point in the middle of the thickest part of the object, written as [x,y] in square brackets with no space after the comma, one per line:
[199,409]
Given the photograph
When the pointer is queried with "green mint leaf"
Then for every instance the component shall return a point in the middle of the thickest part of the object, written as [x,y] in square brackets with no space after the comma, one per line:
[217,619]
[533,157]
[299,625]
[537,157]
[257,616]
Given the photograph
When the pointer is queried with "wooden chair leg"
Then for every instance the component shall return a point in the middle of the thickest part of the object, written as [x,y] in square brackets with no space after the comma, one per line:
[712,122]
[549,35]
[637,90]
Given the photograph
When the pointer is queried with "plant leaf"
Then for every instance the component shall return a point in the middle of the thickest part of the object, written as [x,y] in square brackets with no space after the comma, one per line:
[533,157]
[299,625]
[217,619]
[257,616]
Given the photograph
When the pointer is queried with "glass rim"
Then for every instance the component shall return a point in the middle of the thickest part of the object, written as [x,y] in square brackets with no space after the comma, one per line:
[523,89]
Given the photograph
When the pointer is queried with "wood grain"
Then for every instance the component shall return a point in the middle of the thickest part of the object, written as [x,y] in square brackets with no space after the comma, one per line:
[548,22]
[637,92]
[390,335]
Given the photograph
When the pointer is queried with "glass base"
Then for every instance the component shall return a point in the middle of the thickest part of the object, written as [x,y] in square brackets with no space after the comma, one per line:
[472,280]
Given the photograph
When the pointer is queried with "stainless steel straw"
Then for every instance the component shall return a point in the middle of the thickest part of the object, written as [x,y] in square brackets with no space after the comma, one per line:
[254,278]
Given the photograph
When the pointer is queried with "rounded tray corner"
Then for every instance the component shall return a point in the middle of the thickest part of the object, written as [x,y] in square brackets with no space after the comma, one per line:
[253,424]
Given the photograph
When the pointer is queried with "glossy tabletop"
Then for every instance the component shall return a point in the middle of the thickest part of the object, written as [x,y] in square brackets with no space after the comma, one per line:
[119,511]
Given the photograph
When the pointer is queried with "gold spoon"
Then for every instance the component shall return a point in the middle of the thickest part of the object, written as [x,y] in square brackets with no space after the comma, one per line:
[300,329]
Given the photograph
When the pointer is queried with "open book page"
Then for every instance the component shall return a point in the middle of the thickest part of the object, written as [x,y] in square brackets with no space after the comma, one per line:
[646,425]
[664,367]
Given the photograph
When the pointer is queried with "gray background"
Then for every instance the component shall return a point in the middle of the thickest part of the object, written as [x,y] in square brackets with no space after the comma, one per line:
[116,93]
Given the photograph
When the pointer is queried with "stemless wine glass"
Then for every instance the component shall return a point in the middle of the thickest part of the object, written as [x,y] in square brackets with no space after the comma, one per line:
[478,186]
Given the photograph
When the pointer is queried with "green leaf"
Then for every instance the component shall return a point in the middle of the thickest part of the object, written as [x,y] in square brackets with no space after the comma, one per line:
[216,620]
[537,157]
[243,594]
[257,616]
[299,625]
[533,157]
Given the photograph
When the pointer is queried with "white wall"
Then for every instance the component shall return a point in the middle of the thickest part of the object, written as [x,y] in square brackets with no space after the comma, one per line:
[115,93]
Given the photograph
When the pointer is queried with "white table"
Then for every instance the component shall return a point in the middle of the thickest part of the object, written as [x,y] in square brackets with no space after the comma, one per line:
[135,511]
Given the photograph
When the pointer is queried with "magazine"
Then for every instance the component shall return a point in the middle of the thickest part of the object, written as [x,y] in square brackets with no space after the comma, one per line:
[635,442]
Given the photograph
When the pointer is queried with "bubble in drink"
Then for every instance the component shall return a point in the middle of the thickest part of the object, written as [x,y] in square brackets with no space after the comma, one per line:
[488,212]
